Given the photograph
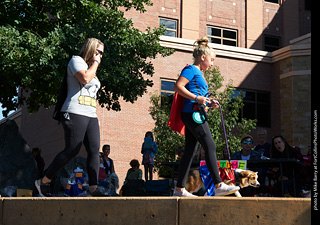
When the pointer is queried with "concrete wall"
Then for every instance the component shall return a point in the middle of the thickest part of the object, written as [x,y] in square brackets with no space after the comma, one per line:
[155,210]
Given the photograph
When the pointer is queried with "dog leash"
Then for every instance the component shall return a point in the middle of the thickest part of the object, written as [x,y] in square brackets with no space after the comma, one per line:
[206,118]
[224,130]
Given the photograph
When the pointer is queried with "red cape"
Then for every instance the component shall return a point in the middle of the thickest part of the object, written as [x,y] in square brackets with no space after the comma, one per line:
[175,122]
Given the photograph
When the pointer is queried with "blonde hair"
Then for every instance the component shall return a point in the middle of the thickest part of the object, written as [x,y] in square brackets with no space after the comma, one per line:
[201,47]
[89,48]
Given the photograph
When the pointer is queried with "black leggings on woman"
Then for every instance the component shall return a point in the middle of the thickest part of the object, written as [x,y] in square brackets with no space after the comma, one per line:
[197,132]
[79,129]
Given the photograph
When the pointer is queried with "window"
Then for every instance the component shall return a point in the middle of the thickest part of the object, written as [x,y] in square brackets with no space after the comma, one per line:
[257,105]
[167,91]
[271,43]
[171,27]
[223,36]
[167,87]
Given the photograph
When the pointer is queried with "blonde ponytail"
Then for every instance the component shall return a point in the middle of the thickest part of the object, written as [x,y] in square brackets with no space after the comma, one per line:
[201,47]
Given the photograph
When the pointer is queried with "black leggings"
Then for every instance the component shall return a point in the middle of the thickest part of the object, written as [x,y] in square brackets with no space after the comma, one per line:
[77,130]
[197,132]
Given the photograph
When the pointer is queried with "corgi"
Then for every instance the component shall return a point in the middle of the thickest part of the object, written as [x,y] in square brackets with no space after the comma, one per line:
[245,178]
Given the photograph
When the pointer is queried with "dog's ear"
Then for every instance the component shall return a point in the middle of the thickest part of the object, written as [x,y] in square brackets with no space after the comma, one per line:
[245,173]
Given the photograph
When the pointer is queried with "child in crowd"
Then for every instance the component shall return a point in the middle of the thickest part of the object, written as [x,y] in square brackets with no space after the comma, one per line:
[149,149]
[134,173]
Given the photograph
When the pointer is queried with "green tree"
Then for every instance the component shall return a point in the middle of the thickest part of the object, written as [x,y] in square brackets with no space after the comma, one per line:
[167,140]
[37,37]
[231,104]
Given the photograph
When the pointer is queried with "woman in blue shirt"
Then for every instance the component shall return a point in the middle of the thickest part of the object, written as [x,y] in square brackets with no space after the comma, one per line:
[193,87]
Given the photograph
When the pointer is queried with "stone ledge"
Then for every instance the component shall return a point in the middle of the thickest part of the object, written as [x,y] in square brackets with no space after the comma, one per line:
[244,211]
[155,210]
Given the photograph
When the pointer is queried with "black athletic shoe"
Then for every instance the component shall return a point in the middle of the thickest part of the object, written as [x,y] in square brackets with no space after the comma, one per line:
[43,189]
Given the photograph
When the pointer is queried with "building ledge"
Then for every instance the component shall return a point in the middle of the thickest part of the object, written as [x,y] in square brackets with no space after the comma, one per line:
[300,46]
[221,50]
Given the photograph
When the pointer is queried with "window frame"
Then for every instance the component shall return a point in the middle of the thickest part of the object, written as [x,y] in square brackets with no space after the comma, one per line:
[166,91]
[221,37]
[169,93]
[170,29]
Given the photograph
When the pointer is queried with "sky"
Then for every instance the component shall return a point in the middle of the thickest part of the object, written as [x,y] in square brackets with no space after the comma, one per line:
[1,109]
[1,116]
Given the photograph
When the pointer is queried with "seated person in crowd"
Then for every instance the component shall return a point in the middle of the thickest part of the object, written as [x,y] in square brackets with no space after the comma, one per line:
[133,184]
[110,175]
[107,162]
[263,146]
[281,149]
[247,153]
[134,173]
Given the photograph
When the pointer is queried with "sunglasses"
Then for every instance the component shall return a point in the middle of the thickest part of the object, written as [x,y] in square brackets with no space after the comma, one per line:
[100,52]
[247,142]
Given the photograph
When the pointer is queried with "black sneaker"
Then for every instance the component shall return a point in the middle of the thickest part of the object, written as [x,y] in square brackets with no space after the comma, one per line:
[43,189]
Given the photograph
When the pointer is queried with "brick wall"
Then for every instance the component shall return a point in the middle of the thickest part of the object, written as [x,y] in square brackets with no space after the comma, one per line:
[228,14]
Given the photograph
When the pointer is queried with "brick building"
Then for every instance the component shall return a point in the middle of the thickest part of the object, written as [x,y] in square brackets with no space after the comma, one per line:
[264,46]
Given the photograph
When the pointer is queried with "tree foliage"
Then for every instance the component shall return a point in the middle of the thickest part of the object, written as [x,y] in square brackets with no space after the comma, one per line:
[37,37]
[231,104]
[168,141]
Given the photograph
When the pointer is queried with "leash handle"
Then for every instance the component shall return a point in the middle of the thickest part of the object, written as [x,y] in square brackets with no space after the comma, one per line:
[224,130]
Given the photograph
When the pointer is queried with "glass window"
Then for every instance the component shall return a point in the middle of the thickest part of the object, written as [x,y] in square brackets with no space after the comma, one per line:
[229,34]
[271,43]
[272,1]
[228,42]
[220,35]
[257,105]
[212,31]
[171,27]
[167,92]
[167,86]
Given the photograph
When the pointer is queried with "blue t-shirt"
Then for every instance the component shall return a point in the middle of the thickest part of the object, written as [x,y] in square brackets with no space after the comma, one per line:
[197,85]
